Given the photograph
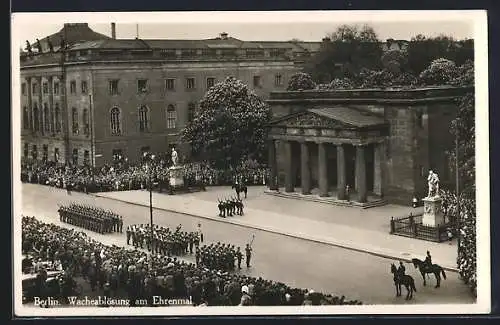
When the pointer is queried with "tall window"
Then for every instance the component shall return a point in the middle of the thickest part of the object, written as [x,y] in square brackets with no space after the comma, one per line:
[74,115]
[143,119]
[56,154]
[191,109]
[26,150]
[170,84]
[113,87]
[34,88]
[171,117]
[75,157]
[45,87]
[46,117]
[56,87]
[26,121]
[35,116]
[256,81]
[210,82]
[142,86]
[116,153]
[420,120]
[115,121]
[84,87]
[23,89]
[190,84]
[86,126]
[86,157]
[34,152]
[57,117]
[45,153]
[278,80]
[72,87]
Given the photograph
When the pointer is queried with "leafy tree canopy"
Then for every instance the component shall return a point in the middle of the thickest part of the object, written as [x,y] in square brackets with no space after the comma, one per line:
[301,81]
[230,125]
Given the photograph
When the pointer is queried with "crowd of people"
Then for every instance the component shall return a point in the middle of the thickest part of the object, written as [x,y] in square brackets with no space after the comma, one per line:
[135,274]
[164,240]
[91,218]
[122,176]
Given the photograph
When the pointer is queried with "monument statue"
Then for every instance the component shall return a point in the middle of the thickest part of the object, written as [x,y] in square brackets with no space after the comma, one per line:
[433,182]
[175,158]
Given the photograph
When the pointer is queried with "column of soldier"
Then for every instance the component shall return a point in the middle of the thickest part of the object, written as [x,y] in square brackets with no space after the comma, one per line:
[121,272]
[230,207]
[92,218]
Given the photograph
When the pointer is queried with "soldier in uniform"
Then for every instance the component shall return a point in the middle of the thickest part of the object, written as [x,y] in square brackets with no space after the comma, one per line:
[248,252]
[428,260]
[401,269]
[239,256]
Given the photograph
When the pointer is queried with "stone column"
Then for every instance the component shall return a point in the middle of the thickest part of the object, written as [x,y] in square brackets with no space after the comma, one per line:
[322,174]
[305,168]
[41,121]
[341,176]
[51,104]
[30,103]
[361,173]
[273,185]
[289,186]
[377,173]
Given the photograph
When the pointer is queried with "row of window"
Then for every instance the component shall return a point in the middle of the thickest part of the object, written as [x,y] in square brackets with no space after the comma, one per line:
[45,154]
[46,119]
[144,118]
[142,85]
[55,88]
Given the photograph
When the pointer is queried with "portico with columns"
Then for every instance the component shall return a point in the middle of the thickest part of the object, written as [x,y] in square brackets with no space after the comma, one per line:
[332,153]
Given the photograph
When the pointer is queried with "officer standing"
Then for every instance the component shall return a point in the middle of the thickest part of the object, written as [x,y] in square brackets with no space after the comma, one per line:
[120,224]
[248,252]
[239,256]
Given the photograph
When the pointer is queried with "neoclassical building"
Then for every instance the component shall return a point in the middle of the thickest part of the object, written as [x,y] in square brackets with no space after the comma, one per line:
[377,145]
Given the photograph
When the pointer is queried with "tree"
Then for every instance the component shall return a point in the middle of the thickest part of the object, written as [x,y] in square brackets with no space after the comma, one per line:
[229,125]
[344,52]
[463,128]
[422,51]
[301,81]
[440,72]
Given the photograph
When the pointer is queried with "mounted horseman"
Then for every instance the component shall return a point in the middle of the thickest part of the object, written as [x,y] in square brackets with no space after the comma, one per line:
[239,186]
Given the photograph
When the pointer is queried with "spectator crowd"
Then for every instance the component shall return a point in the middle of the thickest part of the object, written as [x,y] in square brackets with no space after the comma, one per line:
[136,274]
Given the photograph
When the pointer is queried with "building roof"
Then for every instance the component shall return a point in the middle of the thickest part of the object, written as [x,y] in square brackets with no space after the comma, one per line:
[72,34]
[348,115]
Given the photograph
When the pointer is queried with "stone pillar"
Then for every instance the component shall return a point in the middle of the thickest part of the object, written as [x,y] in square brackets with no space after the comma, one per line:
[51,104]
[305,168]
[341,173]
[377,173]
[30,103]
[41,121]
[361,173]
[289,186]
[322,174]
[273,184]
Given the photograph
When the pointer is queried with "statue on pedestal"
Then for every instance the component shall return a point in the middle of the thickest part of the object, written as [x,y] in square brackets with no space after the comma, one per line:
[175,157]
[433,182]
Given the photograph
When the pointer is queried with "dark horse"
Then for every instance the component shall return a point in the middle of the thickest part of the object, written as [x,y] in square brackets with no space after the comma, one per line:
[403,279]
[240,188]
[425,269]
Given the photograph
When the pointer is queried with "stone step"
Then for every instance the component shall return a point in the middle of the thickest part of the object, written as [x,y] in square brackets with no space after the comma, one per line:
[328,200]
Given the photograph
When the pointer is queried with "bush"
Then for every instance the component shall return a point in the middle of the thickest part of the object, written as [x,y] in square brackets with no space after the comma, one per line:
[439,72]
[301,81]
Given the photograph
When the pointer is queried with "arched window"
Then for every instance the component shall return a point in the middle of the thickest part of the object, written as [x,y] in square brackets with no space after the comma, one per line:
[26,120]
[115,121]
[171,117]
[191,109]
[46,117]
[143,119]
[74,114]
[86,128]
[35,117]
[57,117]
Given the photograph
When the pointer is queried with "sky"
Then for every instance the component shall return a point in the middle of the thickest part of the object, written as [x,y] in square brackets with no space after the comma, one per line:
[306,27]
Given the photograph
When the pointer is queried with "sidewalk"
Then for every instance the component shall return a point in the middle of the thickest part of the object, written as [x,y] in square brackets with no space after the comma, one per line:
[325,226]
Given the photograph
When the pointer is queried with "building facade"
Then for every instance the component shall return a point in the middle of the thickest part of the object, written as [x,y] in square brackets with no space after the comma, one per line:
[94,96]
[374,144]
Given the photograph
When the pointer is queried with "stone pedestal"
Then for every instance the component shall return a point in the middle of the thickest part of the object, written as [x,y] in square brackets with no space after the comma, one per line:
[432,211]
[176,176]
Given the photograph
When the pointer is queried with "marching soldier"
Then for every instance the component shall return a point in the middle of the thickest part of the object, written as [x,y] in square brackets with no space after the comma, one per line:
[248,252]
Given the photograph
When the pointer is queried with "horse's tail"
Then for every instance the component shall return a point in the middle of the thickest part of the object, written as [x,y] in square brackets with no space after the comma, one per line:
[412,284]
[443,273]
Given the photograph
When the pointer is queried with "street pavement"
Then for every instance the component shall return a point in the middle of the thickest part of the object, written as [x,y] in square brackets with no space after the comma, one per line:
[297,262]
[364,230]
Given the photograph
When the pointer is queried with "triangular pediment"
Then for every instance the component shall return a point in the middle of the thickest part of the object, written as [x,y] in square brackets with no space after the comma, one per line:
[309,120]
